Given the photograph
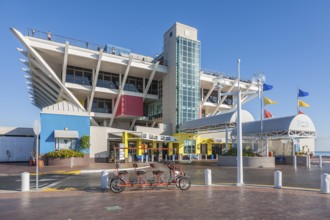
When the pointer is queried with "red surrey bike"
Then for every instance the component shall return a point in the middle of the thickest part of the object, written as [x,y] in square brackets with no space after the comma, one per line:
[121,179]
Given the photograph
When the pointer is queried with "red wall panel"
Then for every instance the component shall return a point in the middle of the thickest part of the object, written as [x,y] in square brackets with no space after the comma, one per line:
[130,106]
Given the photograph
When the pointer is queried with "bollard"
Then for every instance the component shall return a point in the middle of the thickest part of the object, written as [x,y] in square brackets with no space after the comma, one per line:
[325,183]
[308,161]
[142,158]
[173,157]
[104,179]
[25,185]
[217,157]
[205,156]
[198,157]
[165,157]
[147,158]
[153,158]
[180,156]
[208,177]
[320,161]
[295,162]
[278,179]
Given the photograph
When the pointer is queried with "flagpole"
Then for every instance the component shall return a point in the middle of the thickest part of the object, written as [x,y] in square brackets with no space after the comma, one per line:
[261,115]
[297,99]
[239,131]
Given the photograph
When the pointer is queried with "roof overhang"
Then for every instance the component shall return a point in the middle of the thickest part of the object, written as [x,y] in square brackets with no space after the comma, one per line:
[214,123]
[66,134]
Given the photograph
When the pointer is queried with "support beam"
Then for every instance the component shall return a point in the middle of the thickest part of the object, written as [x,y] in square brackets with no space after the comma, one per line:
[133,124]
[65,61]
[64,67]
[150,80]
[208,94]
[122,85]
[96,76]
[224,97]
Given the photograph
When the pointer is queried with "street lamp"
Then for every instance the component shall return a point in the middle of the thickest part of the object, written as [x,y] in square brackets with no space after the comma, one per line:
[259,79]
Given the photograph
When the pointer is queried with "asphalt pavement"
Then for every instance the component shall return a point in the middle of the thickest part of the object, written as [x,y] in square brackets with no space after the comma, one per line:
[75,193]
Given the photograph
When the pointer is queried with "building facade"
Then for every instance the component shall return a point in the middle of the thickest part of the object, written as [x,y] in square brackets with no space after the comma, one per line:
[124,91]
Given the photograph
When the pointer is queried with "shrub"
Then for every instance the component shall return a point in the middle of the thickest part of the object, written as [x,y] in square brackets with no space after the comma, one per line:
[65,153]
[247,152]
[85,142]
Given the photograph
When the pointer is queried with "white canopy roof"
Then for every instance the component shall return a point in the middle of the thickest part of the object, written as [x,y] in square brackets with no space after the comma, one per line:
[216,122]
[296,125]
[66,134]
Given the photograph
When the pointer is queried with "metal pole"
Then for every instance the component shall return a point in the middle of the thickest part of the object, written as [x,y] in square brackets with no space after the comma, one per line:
[226,139]
[239,132]
[261,116]
[37,164]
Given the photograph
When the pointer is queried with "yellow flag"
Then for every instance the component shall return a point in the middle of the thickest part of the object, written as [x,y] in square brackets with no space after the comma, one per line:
[302,104]
[267,101]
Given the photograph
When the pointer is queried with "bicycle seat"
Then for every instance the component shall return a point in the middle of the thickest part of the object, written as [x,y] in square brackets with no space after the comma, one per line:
[156,172]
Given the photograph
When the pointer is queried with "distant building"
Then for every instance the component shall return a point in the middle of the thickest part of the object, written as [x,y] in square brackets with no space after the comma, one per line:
[16,144]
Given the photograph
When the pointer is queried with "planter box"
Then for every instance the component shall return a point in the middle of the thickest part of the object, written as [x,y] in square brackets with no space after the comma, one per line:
[301,160]
[253,162]
[68,162]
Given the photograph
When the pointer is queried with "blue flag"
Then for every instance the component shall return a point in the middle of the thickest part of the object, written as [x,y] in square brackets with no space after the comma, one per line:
[302,93]
[267,87]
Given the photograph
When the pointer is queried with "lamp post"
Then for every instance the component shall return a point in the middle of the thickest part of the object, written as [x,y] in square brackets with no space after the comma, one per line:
[239,131]
[259,79]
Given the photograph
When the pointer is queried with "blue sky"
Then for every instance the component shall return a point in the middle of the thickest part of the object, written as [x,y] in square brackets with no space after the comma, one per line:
[287,40]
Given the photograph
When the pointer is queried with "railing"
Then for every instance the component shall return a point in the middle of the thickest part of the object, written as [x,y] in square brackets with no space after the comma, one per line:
[110,49]
[223,75]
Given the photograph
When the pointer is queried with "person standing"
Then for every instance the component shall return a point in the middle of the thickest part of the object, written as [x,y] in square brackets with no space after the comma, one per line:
[49,35]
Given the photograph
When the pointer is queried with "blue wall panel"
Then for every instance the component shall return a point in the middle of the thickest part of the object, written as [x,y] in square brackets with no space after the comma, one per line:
[52,122]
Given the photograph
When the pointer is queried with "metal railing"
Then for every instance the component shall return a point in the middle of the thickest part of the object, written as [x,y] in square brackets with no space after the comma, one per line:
[110,49]
[223,75]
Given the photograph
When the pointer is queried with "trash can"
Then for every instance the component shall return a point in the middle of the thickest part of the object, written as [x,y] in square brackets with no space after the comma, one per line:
[280,160]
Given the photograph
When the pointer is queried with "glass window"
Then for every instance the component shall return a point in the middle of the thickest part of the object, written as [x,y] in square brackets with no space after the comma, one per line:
[188,79]
[102,105]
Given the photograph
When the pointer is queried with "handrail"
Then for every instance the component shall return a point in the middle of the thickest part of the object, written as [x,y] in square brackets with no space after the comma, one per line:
[110,49]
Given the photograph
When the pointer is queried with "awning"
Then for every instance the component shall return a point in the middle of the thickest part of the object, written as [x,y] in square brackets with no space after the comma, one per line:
[296,125]
[66,134]
[217,122]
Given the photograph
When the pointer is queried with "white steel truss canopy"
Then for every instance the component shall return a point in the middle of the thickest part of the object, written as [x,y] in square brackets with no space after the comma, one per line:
[217,122]
[291,126]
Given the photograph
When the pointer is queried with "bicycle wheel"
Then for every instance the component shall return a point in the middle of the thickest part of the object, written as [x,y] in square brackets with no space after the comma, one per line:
[177,181]
[184,183]
[117,185]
